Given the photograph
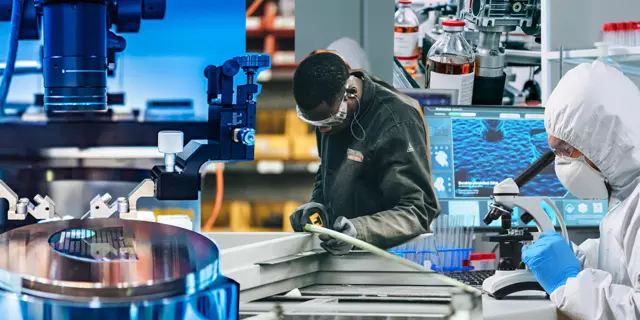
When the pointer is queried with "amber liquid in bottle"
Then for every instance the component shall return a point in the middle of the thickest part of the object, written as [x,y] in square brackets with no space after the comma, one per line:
[450,67]
[410,65]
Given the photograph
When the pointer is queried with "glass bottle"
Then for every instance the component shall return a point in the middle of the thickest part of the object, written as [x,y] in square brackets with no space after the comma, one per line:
[450,62]
[406,35]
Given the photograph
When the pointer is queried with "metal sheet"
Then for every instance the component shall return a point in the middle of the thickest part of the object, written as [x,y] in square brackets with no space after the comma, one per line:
[114,259]
[377,290]
[351,310]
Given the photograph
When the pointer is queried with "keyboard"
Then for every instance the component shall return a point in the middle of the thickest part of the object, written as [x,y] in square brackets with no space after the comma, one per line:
[472,278]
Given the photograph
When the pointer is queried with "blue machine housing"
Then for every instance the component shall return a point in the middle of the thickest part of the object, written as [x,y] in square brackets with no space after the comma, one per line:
[231,128]
[78,46]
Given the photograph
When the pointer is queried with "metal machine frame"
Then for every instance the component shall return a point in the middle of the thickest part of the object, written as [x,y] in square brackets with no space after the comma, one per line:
[358,285]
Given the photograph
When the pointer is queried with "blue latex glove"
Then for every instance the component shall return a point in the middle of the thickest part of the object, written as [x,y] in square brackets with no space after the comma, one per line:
[337,247]
[551,261]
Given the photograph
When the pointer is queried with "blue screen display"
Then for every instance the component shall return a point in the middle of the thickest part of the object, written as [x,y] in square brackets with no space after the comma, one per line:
[475,148]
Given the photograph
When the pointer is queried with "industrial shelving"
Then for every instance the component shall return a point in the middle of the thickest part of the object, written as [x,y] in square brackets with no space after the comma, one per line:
[273,34]
[281,177]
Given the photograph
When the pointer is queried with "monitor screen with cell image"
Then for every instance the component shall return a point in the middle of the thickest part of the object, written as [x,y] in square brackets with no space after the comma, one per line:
[473,148]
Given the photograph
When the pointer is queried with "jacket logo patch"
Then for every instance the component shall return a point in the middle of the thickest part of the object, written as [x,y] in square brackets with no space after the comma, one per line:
[355,155]
[410,148]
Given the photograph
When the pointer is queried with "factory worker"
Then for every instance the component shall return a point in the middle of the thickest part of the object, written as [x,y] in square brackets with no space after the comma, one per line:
[374,181]
[592,121]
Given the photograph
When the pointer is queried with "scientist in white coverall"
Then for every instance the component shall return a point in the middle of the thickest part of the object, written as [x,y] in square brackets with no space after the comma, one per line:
[593,122]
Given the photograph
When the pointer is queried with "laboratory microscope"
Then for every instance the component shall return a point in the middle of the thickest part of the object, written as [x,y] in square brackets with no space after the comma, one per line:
[491,18]
[511,275]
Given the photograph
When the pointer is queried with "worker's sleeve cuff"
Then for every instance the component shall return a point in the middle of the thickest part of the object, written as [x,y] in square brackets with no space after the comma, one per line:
[360,229]
[557,295]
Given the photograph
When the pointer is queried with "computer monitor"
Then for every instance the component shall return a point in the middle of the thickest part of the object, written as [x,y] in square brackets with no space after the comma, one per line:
[427,97]
[473,148]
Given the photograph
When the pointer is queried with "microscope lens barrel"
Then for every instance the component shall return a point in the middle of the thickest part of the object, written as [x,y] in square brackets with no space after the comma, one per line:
[536,167]
[75,55]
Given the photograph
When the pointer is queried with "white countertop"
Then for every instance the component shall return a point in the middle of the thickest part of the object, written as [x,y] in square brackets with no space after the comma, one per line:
[520,306]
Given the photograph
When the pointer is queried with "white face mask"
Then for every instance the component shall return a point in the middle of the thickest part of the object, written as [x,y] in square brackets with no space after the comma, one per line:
[580,178]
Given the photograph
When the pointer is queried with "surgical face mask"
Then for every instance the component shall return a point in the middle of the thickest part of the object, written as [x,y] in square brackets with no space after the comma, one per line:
[580,178]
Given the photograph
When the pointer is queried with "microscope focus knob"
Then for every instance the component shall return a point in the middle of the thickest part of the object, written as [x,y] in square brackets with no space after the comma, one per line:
[170,142]
[253,62]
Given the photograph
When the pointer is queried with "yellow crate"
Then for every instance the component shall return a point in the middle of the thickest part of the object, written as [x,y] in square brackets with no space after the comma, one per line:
[241,216]
[289,208]
[274,216]
[304,148]
[233,216]
[272,147]
[271,121]
[295,127]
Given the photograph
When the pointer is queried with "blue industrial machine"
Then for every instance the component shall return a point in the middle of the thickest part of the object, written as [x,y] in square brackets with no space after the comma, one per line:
[108,268]
[79,47]
[231,132]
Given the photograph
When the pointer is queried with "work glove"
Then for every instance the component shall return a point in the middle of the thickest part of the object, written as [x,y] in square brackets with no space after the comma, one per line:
[310,213]
[551,260]
[337,247]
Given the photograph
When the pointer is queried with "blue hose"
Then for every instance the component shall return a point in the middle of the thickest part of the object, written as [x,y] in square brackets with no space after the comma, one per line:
[16,22]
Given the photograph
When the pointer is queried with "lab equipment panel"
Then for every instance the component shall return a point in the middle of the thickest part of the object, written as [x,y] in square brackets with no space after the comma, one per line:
[473,148]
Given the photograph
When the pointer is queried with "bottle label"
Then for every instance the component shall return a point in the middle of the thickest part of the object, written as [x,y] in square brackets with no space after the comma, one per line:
[405,45]
[461,82]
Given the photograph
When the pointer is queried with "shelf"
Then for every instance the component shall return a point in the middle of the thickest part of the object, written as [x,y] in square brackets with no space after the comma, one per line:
[277,73]
[627,57]
[626,54]
[269,167]
[254,27]
[283,27]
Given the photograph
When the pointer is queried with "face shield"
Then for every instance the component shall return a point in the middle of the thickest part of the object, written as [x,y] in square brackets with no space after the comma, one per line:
[333,120]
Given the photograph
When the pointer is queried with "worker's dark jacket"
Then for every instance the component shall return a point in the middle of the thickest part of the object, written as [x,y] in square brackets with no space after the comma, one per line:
[383,183]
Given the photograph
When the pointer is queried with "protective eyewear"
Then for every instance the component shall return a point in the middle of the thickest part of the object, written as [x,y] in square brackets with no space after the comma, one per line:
[563,150]
[334,120]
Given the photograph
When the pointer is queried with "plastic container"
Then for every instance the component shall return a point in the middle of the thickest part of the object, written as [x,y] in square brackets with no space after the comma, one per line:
[483,261]
[422,250]
[405,37]
[451,62]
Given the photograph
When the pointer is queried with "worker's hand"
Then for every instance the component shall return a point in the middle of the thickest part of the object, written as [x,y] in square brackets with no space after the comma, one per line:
[337,247]
[551,260]
[310,213]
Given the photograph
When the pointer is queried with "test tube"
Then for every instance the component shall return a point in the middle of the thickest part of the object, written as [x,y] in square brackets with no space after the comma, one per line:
[605,33]
[636,28]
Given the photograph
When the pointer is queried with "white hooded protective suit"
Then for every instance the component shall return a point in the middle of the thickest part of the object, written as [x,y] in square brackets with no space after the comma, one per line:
[596,109]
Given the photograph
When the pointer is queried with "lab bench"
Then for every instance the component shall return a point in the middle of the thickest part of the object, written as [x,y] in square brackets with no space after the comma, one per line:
[289,274]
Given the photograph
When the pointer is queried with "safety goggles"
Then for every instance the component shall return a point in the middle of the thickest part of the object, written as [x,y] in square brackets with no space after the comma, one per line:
[332,121]
[563,150]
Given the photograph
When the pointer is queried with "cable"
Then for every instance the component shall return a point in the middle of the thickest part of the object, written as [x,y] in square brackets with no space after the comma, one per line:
[16,22]
[364,246]
[253,7]
[563,226]
[218,200]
